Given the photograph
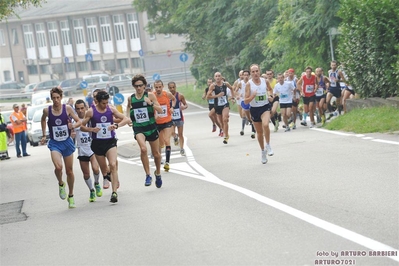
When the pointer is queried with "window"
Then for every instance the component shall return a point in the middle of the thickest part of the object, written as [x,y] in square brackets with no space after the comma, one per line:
[44,69]
[52,33]
[28,36]
[7,75]
[133,25]
[123,63]
[119,28]
[78,28]
[15,40]
[91,30]
[65,33]
[32,70]
[105,29]
[82,66]
[2,40]
[40,35]
[70,67]
[95,65]
[136,63]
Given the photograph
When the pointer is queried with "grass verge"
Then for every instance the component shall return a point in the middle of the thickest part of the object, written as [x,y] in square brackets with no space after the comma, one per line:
[382,119]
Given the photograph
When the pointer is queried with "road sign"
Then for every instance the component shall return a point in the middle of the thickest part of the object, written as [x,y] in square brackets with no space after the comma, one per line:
[183,57]
[169,53]
[118,98]
[156,76]
[113,90]
[141,52]
[66,60]
[83,84]
[89,57]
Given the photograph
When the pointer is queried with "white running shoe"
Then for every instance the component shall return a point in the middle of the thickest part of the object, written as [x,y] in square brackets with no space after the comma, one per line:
[264,156]
[269,150]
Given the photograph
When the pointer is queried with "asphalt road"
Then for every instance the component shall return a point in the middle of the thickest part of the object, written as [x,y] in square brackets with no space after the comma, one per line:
[322,196]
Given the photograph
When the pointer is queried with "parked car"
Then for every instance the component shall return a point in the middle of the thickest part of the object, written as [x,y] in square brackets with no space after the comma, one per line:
[35,129]
[11,87]
[70,85]
[98,80]
[29,88]
[46,85]
[121,81]
[40,97]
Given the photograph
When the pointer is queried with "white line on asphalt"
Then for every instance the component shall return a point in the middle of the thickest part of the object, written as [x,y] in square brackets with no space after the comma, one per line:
[356,135]
[330,227]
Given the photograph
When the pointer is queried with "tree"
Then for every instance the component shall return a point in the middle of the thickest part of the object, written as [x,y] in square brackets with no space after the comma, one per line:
[223,35]
[298,37]
[370,46]
[9,7]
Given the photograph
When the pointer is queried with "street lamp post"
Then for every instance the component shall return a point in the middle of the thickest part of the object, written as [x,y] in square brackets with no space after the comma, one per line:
[331,32]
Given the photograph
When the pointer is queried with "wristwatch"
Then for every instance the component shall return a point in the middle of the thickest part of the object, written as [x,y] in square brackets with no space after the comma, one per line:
[117,126]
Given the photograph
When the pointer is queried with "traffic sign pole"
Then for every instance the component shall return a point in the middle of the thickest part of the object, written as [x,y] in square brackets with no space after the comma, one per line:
[184,58]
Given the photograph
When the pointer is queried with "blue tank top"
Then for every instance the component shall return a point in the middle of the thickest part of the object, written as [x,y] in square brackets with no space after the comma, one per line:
[177,113]
[58,125]
[102,121]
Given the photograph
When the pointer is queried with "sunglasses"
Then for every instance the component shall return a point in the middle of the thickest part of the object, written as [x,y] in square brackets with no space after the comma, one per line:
[139,85]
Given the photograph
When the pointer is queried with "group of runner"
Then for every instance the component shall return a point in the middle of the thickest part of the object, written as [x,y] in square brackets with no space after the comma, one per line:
[259,96]
[152,115]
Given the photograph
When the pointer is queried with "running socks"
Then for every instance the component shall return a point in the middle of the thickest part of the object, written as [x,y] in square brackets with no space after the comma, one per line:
[167,151]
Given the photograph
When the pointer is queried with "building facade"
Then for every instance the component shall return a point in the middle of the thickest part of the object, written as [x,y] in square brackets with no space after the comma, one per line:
[70,39]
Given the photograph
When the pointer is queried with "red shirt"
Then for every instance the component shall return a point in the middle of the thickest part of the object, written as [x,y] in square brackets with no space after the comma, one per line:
[308,85]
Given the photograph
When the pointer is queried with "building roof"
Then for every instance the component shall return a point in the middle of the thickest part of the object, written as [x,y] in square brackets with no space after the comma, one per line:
[56,8]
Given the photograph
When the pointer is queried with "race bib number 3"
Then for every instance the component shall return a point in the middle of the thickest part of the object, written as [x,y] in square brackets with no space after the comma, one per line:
[104,133]
[60,133]
[141,115]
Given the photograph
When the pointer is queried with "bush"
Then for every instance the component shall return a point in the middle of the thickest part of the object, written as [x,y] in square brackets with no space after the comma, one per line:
[369,46]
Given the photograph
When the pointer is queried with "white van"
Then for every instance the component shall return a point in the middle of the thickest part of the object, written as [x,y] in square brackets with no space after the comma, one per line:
[100,80]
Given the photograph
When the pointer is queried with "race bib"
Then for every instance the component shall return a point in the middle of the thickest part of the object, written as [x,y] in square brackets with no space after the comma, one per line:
[60,133]
[283,96]
[164,111]
[261,98]
[211,101]
[309,88]
[84,139]
[333,81]
[319,92]
[176,114]
[222,101]
[141,115]
[104,133]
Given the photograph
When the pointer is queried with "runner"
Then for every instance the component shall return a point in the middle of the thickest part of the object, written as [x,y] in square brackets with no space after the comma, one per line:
[177,116]
[285,89]
[85,155]
[256,94]
[212,114]
[275,103]
[335,76]
[164,119]
[308,86]
[140,107]
[104,142]
[222,94]
[242,106]
[321,93]
[60,144]
[295,98]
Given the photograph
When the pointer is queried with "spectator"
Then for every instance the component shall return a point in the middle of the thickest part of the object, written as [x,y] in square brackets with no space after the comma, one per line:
[3,139]
[18,121]
[23,109]
[89,99]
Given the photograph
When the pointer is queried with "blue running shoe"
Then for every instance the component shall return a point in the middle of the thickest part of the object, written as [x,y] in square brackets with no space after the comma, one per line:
[148,181]
[158,180]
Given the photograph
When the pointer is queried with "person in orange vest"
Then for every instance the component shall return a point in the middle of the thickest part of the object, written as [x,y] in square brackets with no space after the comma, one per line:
[18,121]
